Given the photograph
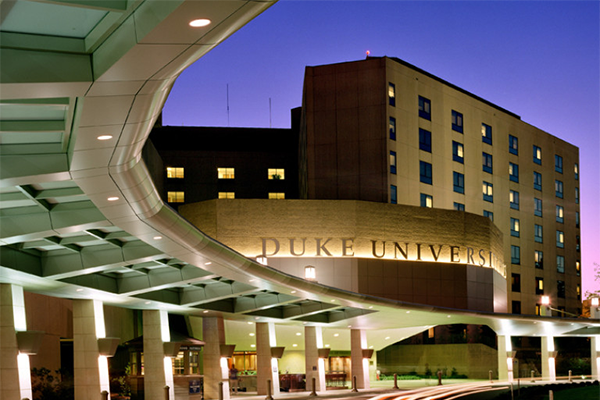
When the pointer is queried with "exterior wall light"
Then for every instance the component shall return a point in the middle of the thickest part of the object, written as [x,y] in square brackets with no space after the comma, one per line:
[310,273]
[261,260]
[546,300]
[595,302]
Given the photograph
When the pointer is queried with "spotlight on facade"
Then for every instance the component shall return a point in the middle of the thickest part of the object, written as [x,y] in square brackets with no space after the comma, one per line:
[261,260]
[310,273]
[545,300]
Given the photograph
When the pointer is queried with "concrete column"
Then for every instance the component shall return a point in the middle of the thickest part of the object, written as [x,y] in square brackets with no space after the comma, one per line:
[315,366]
[90,368]
[15,375]
[360,365]
[158,369]
[595,345]
[267,366]
[548,358]
[215,367]
[505,359]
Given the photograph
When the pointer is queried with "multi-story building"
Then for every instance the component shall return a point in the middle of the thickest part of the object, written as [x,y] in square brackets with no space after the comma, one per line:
[384,130]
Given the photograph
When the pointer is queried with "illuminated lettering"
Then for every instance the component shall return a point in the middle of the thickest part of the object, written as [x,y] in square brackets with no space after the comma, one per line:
[374,247]
[454,252]
[347,244]
[481,258]
[419,252]
[470,256]
[397,249]
[264,247]
[292,250]
[436,256]
[322,247]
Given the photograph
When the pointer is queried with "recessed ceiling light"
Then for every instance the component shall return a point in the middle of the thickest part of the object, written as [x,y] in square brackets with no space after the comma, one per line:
[326,345]
[113,198]
[336,334]
[449,316]
[293,291]
[298,334]
[148,302]
[387,338]
[408,312]
[370,347]
[104,137]
[332,300]
[256,317]
[294,345]
[349,326]
[157,237]
[250,322]
[207,263]
[79,290]
[205,311]
[251,280]
[252,345]
[200,22]
[251,334]
[370,306]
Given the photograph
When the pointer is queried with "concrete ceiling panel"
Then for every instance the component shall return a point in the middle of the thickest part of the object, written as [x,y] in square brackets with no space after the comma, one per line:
[113,48]
[110,110]
[93,158]
[87,137]
[25,166]
[116,88]
[43,90]
[183,60]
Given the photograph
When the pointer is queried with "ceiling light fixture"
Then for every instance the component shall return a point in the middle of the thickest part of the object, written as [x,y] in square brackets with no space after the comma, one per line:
[113,198]
[200,22]
[104,137]
[157,237]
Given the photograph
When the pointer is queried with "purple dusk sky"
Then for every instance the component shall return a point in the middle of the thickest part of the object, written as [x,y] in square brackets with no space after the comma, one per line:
[538,59]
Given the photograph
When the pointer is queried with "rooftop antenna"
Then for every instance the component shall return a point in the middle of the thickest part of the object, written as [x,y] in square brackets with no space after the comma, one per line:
[270,125]
[228,104]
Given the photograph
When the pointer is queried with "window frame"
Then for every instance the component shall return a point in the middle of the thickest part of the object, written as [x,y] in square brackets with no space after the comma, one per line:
[425,172]
[424,108]
[486,133]
[459,206]
[457,121]
[538,211]
[425,140]
[425,198]
[175,172]
[538,259]
[458,180]
[458,148]
[513,145]
[537,155]
[487,162]
[391,94]
[560,239]
[392,128]
[538,233]
[392,162]
[558,189]
[515,255]
[513,172]
[558,163]
[560,214]
[513,197]
[560,263]
[225,172]
[515,227]
[393,194]
[488,192]
[537,185]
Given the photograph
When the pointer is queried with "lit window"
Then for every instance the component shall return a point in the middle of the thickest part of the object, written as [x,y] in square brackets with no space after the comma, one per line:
[431,333]
[515,255]
[488,193]
[578,267]
[578,291]
[392,94]
[459,182]
[513,172]
[486,133]
[226,173]
[560,211]
[539,285]
[538,257]
[392,162]
[560,289]
[175,172]
[458,152]
[426,200]
[537,207]
[488,214]
[516,282]
[560,239]
[393,194]
[537,180]
[459,206]
[514,199]
[487,163]
[515,227]
[576,171]
[425,171]
[276,173]
[538,232]
[457,121]
[227,195]
[424,140]
[175,197]
[576,195]
[513,145]
[558,188]
[560,264]
[392,128]
[424,108]
[558,163]
[276,195]
[537,155]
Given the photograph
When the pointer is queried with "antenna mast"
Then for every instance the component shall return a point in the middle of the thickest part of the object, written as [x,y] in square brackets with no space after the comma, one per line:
[228,104]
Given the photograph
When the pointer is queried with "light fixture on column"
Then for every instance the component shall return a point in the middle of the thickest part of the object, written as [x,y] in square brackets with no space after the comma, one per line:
[171,349]
[545,309]
[546,300]
[227,350]
[261,260]
[324,352]
[595,302]
[367,353]
[107,347]
[29,342]
[310,273]
[277,352]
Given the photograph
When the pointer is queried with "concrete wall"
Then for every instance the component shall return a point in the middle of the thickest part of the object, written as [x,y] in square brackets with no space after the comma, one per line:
[474,360]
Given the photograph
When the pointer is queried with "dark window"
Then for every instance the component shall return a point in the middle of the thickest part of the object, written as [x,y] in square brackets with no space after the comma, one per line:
[425,171]
[486,133]
[537,180]
[558,188]
[514,199]
[538,257]
[537,155]
[424,140]
[424,108]
[513,145]
[576,195]
[560,264]
[515,255]
[577,244]
[558,163]
[560,289]
[458,152]
[457,121]
[513,172]
[488,214]
[516,282]
[459,182]
[537,207]
[487,163]
[393,194]
[488,192]
[392,128]
[392,162]
[538,233]
[459,206]
[392,94]
[577,219]
[516,307]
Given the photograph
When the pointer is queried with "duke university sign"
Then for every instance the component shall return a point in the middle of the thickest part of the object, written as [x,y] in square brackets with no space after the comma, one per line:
[351,247]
